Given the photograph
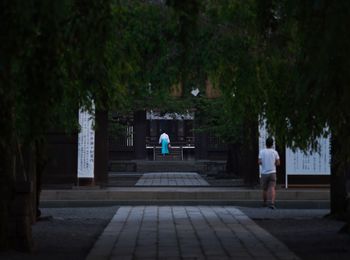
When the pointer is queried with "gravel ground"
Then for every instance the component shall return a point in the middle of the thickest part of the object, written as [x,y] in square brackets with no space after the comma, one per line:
[69,235]
[72,231]
[306,232]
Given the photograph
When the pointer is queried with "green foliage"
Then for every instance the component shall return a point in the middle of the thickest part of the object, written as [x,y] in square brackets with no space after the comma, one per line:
[305,70]
[145,53]
[55,60]
[280,58]
[226,49]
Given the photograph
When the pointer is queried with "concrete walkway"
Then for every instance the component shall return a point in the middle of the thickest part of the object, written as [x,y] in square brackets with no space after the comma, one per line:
[171,179]
[181,232]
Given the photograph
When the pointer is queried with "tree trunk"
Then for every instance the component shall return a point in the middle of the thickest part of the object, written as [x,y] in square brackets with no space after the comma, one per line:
[338,180]
[41,162]
[16,211]
[7,170]
[347,214]
[23,213]
[338,193]
[250,150]
[6,197]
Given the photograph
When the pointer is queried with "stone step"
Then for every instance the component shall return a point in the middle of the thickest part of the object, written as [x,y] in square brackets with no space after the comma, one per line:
[129,179]
[167,167]
[155,166]
[313,198]
[174,155]
[168,157]
[203,167]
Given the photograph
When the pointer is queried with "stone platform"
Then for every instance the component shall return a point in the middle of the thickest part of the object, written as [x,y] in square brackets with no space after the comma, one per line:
[286,198]
[181,188]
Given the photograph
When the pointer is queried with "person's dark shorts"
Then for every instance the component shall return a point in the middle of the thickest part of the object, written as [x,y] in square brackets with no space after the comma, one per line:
[268,180]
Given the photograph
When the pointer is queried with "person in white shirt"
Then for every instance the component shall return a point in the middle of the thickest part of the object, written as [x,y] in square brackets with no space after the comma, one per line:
[165,142]
[268,160]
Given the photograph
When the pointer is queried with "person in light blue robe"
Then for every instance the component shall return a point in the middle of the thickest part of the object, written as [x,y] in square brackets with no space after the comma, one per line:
[165,142]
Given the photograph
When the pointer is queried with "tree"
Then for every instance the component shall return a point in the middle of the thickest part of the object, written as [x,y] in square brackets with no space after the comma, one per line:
[285,59]
[306,78]
[59,56]
[51,64]
[220,47]
[225,54]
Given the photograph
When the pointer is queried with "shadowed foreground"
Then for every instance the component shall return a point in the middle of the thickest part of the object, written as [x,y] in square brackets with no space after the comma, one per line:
[72,232]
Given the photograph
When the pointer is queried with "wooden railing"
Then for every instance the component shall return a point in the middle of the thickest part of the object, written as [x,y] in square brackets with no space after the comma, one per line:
[153,141]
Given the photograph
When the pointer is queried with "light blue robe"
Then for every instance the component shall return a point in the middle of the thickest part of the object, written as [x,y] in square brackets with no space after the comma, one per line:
[165,143]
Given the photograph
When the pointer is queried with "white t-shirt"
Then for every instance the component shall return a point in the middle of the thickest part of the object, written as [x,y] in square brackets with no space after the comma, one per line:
[164,136]
[268,157]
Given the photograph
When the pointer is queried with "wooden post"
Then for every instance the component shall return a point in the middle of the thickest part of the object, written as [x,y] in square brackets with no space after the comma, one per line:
[250,151]
[140,134]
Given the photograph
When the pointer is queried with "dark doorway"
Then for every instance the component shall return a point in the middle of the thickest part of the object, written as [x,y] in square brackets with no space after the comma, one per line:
[169,126]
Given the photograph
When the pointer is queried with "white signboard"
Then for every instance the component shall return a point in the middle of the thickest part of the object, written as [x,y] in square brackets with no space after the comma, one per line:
[86,145]
[316,163]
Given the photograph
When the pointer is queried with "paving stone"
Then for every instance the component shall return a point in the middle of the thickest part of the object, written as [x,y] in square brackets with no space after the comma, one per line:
[176,232]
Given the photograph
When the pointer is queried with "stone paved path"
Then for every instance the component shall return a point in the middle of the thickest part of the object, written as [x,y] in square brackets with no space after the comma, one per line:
[178,232]
[171,179]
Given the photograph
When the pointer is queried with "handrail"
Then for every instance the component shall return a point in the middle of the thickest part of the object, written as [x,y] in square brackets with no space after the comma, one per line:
[175,147]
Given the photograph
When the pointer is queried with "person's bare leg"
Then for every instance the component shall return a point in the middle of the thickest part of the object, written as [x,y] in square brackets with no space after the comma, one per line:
[264,197]
[272,195]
